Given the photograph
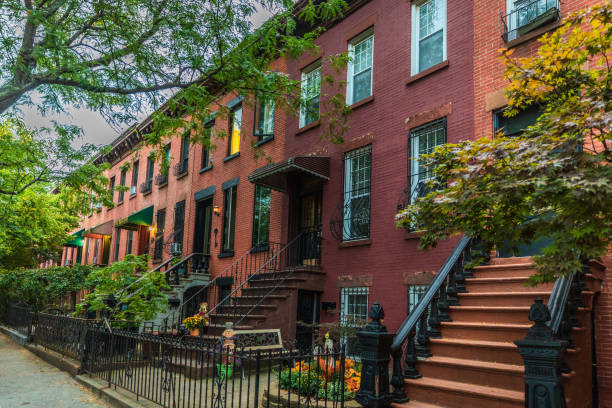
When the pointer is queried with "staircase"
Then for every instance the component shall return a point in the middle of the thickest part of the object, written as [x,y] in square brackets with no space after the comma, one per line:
[475,363]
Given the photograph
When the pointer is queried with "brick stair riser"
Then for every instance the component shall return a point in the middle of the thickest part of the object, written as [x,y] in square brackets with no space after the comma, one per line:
[262,291]
[504,287]
[498,355]
[249,321]
[499,316]
[500,299]
[489,272]
[271,282]
[472,375]
[271,300]
[449,399]
[241,309]
[486,333]
[511,260]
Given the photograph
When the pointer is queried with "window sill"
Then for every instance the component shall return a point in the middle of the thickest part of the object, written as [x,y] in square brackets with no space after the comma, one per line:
[427,72]
[133,195]
[414,234]
[264,140]
[146,193]
[180,176]
[230,157]
[119,203]
[260,248]
[205,169]
[536,32]
[162,185]
[362,102]
[359,242]
[308,127]
[226,254]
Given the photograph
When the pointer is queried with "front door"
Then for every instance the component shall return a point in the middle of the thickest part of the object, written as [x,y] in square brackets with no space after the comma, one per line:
[307,319]
[203,220]
[310,227]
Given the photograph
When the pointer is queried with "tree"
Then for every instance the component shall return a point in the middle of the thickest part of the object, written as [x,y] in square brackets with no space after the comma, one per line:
[553,181]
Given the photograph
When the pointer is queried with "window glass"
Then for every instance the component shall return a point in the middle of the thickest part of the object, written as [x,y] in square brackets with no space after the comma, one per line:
[357,178]
[264,119]
[229,219]
[130,239]
[234,131]
[261,215]
[423,140]
[429,21]
[117,243]
[311,94]
[134,177]
[353,313]
[360,70]
[159,234]
[123,179]
[515,125]
[208,128]
[179,222]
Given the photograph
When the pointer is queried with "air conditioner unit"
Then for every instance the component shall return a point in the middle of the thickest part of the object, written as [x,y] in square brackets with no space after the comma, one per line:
[132,190]
[175,248]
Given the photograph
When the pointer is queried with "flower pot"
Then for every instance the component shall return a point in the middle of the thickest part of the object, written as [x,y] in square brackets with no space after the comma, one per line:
[195,332]
[225,371]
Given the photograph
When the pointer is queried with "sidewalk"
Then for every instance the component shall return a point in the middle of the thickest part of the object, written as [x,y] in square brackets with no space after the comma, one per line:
[27,381]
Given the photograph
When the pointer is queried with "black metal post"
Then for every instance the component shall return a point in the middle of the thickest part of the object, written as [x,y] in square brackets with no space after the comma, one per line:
[542,354]
[375,346]
[410,358]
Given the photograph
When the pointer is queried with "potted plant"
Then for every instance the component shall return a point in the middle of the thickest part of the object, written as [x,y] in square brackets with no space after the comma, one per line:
[192,323]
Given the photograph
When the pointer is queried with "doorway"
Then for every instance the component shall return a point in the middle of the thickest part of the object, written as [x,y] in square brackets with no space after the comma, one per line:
[310,227]
[307,318]
[203,221]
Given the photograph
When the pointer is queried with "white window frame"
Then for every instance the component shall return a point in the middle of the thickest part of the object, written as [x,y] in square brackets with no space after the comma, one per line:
[415,154]
[345,308]
[415,40]
[361,38]
[306,74]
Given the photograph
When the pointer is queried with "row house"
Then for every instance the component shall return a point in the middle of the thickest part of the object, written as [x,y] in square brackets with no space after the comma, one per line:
[318,216]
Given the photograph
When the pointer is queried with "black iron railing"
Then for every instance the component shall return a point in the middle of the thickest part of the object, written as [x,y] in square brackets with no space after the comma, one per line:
[62,334]
[146,187]
[528,15]
[20,317]
[161,179]
[424,320]
[181,168]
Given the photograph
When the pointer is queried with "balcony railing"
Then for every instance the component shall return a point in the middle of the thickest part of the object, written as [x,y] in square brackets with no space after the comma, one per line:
[147,186]
[161,179]
[180,169]
[528,15]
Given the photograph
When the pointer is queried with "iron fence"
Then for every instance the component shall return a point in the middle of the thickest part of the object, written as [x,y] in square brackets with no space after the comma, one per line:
[176,372]
[63,334]
[19,317]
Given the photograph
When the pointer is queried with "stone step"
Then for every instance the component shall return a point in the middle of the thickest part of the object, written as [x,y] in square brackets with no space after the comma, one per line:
[504,271]
[275,299]
[497,299]
[499,314]
[511,260]
[489,374]
[452,394]
[504,352]
[484,331]
[505,284]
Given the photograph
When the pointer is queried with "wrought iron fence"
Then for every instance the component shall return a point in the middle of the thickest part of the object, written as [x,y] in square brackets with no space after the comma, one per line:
[62,334]
[19,317]
[175,372]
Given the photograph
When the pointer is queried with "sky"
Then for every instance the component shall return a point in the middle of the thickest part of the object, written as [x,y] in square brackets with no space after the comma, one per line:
[95,128]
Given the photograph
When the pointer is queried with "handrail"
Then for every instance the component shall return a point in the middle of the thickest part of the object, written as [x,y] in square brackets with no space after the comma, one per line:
[410,322]
[557,301]
[243,283]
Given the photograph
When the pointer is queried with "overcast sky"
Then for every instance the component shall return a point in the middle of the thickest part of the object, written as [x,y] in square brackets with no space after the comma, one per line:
[95,129]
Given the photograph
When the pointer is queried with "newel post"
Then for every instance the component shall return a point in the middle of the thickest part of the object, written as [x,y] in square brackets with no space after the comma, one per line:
[542,354]
[375,347]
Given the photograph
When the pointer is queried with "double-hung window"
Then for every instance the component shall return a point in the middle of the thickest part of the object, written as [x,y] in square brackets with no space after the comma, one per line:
[208,130]
[356,209]
[117,243]
[353,313]
[134,178]
[235,127]
[123,179]
[183,163]
[310,94]
[130,240]
[428,34]
[261,215]
[159,235]
[179,222]
[111,187]
[359,70]
[229,219]
[264,119]
[150,169]
[423,140]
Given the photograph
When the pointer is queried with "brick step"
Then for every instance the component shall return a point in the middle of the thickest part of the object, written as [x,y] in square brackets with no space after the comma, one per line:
[511,260]
[275,299]
[495,299]
[505,284]
[267,282]
[493,351]
[500,314]
[257,309]
[485,373]
[484,331]
[503,271]
[451,394]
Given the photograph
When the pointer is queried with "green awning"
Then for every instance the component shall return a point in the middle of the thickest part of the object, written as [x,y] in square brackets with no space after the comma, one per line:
[100,230]
[76,239]
[132,222]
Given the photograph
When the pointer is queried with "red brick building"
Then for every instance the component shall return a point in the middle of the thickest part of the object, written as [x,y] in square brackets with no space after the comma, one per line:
[423,73]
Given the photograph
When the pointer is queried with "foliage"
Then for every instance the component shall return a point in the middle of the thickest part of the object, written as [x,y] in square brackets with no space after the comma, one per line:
[34,222]
[554,180]
[193,322]
[137,297]
[40,288]
[321,378]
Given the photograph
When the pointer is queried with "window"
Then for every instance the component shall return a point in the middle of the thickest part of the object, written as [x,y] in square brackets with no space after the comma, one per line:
[415,292]
[235,126]
[179,222]
[181,167]
[516,124]
[159,235]
[359,71]
[264,119]
[525,15]
[310,94]
[86,252]
[356,209]
[150,170]
[229,219]
[117,243]
[130,239]
[261,215]
[206,161]
[134,178]
[111,187]
[428,34]
[162,178]
[353,313]
[96,252]
[123,179]
[423,140]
